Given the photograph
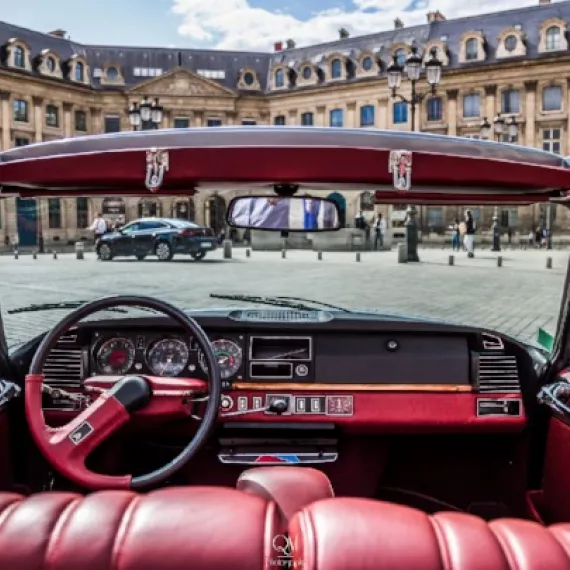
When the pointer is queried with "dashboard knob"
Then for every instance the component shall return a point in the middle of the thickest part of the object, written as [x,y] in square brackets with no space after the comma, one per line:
[278,406]
[226,403]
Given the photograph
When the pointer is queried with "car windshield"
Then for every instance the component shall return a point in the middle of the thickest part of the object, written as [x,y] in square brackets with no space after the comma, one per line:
[499,268]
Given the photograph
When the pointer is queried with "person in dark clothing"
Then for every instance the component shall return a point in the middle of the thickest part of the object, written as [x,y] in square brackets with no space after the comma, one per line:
[469,239]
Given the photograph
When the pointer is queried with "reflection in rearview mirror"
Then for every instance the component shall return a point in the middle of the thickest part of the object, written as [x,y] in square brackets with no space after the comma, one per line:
[294,214]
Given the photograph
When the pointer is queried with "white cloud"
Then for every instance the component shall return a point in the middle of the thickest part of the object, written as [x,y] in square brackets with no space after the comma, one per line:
[235,24]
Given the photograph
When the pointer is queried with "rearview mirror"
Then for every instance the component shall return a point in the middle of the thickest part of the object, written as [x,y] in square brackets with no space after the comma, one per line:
[293,214]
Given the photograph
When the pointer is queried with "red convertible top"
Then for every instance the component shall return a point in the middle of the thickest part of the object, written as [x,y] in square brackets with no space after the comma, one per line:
[441,169]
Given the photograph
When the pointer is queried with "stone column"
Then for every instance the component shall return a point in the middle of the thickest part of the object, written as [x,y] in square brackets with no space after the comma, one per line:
[264,119]
[5,120]
[231,118]
[292,117]
[490,100]
[96,120]
[198,119]
[351,115]
[382,120]
[452,112]
[67,120]
[320,118]
[38,118]
[530,112]
[166,119]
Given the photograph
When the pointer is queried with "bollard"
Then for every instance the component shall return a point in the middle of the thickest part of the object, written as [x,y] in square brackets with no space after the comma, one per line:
[248,252]
[283,253]
[357,256]
[55,254]
[15,254]
[79,250]
[402,253]
[549,263]
[500,261]
[35,255]
[451,260]
[320,255]
[227,249]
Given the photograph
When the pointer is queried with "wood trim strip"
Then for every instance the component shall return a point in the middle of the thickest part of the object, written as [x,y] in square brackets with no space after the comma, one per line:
[280,387]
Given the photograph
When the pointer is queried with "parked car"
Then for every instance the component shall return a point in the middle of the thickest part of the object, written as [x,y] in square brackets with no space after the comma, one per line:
[162,237]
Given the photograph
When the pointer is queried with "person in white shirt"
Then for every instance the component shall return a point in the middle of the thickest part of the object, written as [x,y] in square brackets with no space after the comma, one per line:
[380,230]
[98,227]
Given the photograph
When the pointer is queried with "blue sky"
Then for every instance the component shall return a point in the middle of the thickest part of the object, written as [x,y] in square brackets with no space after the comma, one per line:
[231,24]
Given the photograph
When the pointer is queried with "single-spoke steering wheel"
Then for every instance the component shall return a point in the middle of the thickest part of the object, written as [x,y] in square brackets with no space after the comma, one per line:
[67,448]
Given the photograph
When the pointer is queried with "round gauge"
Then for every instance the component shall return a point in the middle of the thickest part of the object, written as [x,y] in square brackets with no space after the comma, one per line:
[168,357]
[115,356]
[228,354]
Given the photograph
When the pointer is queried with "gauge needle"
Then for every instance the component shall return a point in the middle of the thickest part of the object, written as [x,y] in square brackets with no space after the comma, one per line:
[290,353]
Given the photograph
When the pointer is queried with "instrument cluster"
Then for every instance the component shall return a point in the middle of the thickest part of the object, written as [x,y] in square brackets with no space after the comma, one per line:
[164,355]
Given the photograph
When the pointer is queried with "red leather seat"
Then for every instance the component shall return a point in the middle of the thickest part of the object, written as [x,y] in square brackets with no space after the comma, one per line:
[206,528]
[346,533]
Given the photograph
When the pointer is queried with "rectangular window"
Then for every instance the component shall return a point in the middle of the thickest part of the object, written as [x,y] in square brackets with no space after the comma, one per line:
[81,121]
[552,98]
[471,105]
[112,124]
[214,123]
[434,109]
[400,112]
[279,120]
[181,122]
[52,116]
[510,101]
[509,218]
[435,217]
[336,118]
[20,111]
[367,116]
[307,119]
[54,213]
[249,122]
[82,209]
[552,140]
[21,141]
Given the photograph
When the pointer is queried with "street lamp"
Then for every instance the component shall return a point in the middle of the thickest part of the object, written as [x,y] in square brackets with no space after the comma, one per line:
[413,70]
[145,116]
[500,127]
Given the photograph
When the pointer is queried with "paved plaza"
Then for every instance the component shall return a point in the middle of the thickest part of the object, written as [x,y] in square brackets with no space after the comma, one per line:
[516,298]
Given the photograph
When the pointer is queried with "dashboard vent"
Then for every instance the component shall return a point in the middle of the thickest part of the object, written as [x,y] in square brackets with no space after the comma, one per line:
[63,366]
[498,374]
[281,316]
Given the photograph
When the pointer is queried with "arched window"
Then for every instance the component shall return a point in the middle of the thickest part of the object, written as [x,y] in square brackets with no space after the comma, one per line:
[19,57]
[553,38]
[79,71]
[279,78]
[336,68]
[401,56]
[472,49]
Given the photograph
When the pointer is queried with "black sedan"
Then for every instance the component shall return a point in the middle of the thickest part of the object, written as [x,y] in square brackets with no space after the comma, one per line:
[162,237]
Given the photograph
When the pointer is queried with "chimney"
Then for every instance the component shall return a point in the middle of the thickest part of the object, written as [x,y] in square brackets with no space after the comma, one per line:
[290,44]
[343,33]
[58,34]
[278,46]
[542,2]
[398,24]
[436,16]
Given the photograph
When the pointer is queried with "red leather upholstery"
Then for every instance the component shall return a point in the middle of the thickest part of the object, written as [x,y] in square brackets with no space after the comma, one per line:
[204,528]
[292,488]
[339,534]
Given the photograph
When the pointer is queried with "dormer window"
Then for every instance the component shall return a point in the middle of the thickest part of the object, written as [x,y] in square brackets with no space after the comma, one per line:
[19,57]
[50,64]
[472,49]
[248,78]
[553,38]
[511,43]
[112,73]
[307,72]
[336,68]
[79,72]
[401,57]
[280,78]
[367,63]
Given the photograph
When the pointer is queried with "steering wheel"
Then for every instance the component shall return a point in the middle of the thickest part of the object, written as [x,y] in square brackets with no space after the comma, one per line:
[67,448]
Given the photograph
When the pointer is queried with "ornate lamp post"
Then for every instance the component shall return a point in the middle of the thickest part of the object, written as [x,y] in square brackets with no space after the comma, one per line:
[413,70]
[145,116]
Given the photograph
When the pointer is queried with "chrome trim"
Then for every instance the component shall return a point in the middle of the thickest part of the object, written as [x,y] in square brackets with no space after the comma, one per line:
[496,401]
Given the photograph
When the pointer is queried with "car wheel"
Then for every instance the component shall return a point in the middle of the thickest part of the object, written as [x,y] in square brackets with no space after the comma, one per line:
[141,257]
[105,252]
[163,251]
[198,256]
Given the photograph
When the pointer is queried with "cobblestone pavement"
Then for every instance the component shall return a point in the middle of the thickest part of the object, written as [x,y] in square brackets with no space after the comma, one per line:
[516,298]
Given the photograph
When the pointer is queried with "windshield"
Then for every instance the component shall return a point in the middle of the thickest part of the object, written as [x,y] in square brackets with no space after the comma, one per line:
[459,278]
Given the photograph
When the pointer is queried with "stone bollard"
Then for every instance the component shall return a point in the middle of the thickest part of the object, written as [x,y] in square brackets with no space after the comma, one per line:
[500,261]
[15,254]
[248,252]
[549,263]
[357,256]
[35,255]
[320,255]
[402,253]
[55,254]
[451,260]
[79,250]
[283,253]
[227,249]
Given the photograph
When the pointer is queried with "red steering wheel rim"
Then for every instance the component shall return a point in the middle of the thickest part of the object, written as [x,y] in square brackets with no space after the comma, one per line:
[66,448]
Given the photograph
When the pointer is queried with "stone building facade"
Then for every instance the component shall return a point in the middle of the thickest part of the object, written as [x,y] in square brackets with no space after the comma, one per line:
[514,63]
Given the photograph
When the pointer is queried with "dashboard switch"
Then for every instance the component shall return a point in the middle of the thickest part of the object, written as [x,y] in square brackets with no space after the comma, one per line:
[242,403]
[227,403]
[278,406]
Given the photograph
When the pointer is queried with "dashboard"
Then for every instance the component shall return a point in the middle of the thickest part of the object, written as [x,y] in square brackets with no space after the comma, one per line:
[359,372]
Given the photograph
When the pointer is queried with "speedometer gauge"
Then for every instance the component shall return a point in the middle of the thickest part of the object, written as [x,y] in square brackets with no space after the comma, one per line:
[168,357]
[115,356]
[229,357]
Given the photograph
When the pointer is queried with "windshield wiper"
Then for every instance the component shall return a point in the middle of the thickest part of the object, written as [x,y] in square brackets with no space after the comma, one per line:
[298,303]
[68,305]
